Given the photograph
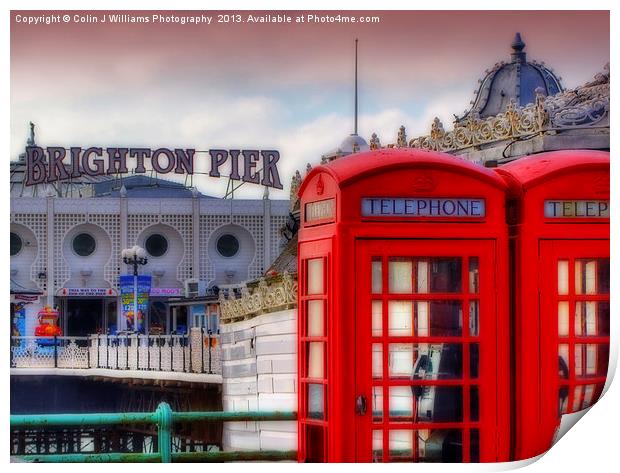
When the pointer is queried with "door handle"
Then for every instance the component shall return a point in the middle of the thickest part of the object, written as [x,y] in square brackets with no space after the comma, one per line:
[360,405]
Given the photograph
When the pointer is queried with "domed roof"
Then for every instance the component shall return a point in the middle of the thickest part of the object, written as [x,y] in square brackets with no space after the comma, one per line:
[353,144]
[516,80]
[350,145]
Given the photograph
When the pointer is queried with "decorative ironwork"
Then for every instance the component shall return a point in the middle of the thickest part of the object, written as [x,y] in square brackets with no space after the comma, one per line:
[264,297]
[582,107]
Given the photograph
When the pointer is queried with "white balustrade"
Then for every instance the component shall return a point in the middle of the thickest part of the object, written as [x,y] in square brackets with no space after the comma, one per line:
[197,352]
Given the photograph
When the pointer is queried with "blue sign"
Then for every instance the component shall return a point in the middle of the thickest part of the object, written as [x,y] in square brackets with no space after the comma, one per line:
[18,326]
[128,285]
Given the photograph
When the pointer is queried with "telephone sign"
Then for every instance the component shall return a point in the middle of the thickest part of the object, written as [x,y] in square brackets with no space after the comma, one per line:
[422,207]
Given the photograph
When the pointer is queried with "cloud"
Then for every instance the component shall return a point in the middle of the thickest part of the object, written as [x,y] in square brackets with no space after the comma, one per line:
[222,122]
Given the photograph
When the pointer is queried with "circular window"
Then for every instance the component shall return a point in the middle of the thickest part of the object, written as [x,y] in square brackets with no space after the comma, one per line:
[156,245]
[84,244]
[227,245]
[16,244]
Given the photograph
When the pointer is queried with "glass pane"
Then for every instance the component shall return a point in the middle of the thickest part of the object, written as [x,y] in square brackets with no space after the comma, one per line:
[421,361]
[439,404]
[422,277]
[591,359]
[591,318]
[401,445]
[316,401]
[602,276]
[400,276]
[377,276]
[474,446]
[377,318]
[316,319]
[474,318]
[156,245]
[563,318]
[432,275]
[446,275]
[425,361]
[563,361]
[316,360]
[474,275]
[474,360]
[315,276]
[401,403]
[377,403]
[401,358]
[474,404]
[84,244]
[421,318]
[446,318]
[439,445]
[445,361]
[400,315]
[377,360]
[315,444]
[562,277]
[588,396]
[592,276]
[16,244]
[602,316]
[577,398]
[377,446]
[563,401]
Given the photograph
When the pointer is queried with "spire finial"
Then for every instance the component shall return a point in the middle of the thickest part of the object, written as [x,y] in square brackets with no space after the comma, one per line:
[355,118]
[30,141]
[517,49]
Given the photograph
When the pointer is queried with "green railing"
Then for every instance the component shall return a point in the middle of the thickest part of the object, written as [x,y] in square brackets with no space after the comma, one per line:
[163,418]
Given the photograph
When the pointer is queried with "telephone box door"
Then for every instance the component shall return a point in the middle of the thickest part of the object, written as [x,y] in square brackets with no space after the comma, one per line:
[426,351]
[574,324]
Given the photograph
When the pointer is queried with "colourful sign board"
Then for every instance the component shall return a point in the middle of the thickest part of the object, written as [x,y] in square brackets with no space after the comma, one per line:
[86,292]
[166,292]
[129,285]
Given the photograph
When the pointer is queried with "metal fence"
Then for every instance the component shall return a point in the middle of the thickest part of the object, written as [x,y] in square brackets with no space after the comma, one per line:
[198,352]
[163,418]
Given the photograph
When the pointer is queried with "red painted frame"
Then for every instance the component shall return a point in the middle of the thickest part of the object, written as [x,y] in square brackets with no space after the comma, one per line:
[551,252]
[486,340]
[562,175]
[392,173]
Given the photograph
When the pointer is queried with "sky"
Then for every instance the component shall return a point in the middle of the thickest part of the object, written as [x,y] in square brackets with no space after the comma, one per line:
[273,86]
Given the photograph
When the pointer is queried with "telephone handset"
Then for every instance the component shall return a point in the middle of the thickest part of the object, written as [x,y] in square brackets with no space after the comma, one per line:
[422,366]
[563,372]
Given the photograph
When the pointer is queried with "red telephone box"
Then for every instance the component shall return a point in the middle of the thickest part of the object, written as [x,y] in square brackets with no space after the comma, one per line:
[560,228]
[403,311]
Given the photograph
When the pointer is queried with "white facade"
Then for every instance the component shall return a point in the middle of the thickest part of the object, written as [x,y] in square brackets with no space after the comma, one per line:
[259,371]
[47,227]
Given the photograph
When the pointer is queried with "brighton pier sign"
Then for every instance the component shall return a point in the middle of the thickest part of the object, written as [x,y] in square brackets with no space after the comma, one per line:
[56,163]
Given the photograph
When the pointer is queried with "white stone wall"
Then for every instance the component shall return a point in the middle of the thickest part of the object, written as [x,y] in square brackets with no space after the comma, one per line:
[259,358]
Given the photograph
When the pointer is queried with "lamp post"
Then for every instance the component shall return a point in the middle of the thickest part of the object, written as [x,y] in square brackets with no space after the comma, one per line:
[135,256]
